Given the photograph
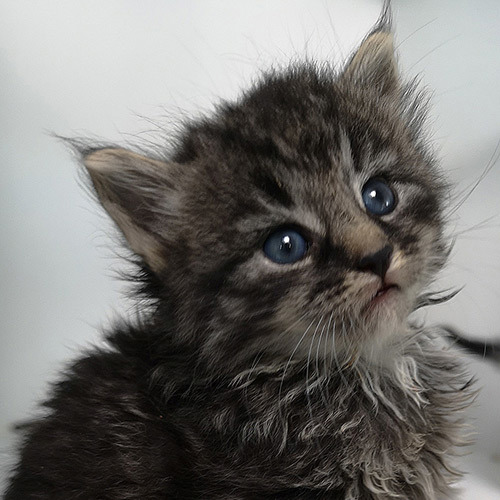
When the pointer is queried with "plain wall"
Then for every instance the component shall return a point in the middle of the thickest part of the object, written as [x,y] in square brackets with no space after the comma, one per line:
[126,71]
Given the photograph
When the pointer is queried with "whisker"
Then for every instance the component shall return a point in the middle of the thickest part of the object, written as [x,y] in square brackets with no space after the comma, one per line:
[325,352]
[332,353]
[428,53]
[328,366]
[308,389]
[321,378]
[434,298]
[414,32]
[339,367]
[491,163]
[318,345]
[295,323]
[478,226]
[290,360]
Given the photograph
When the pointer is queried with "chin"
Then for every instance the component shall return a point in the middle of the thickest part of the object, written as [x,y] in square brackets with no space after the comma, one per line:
[385,324]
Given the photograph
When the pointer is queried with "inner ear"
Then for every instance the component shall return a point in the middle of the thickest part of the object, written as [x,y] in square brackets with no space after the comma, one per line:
[137,193]
[374,63]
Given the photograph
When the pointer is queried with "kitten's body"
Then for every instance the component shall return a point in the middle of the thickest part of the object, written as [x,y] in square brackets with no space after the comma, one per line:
[249,378]
[114,435]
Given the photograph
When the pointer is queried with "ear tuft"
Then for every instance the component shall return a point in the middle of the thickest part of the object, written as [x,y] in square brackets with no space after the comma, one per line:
[374,63]
[109,160]
[102,160]
[384,22]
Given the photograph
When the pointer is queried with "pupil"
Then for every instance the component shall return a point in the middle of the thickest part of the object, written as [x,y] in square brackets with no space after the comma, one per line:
[286,244]
[378,197]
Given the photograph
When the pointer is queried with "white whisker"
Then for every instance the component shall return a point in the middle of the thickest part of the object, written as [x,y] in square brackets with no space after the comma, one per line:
[308,387]
[290,360]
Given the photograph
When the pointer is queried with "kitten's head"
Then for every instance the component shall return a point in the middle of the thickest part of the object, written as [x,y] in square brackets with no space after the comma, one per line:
[301,221]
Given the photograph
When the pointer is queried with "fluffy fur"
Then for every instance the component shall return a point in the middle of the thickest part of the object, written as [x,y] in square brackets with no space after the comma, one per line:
[245,378]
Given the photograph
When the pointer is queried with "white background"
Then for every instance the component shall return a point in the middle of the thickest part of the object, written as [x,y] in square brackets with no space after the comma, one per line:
[96,68]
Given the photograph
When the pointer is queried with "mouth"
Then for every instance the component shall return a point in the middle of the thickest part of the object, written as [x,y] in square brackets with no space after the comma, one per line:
[383,294]
[385,289]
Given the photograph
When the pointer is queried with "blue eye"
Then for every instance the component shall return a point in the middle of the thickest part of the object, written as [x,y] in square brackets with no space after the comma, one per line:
[285,246]
[378,197]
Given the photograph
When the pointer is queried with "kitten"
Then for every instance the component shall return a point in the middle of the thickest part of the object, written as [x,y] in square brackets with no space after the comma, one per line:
[281,248]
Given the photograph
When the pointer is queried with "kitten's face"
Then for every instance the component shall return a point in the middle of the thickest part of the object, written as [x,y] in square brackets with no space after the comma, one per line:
[263,232]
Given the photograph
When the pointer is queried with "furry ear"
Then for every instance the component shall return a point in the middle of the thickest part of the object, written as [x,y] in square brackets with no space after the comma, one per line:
[135,191]
[374,63]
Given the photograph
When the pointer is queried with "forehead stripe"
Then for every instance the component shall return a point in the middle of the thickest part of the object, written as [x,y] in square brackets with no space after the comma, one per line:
[273,188]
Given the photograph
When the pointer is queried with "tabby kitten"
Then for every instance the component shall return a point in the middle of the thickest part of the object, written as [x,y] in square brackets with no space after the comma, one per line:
[282,248]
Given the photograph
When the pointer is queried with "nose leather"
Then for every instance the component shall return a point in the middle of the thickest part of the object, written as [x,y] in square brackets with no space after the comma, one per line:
[376,263]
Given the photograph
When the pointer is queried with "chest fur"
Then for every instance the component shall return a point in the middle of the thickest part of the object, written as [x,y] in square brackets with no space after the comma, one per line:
[338,436]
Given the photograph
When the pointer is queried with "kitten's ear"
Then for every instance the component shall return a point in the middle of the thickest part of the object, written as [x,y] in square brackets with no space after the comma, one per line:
[135,191]
[374,63]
